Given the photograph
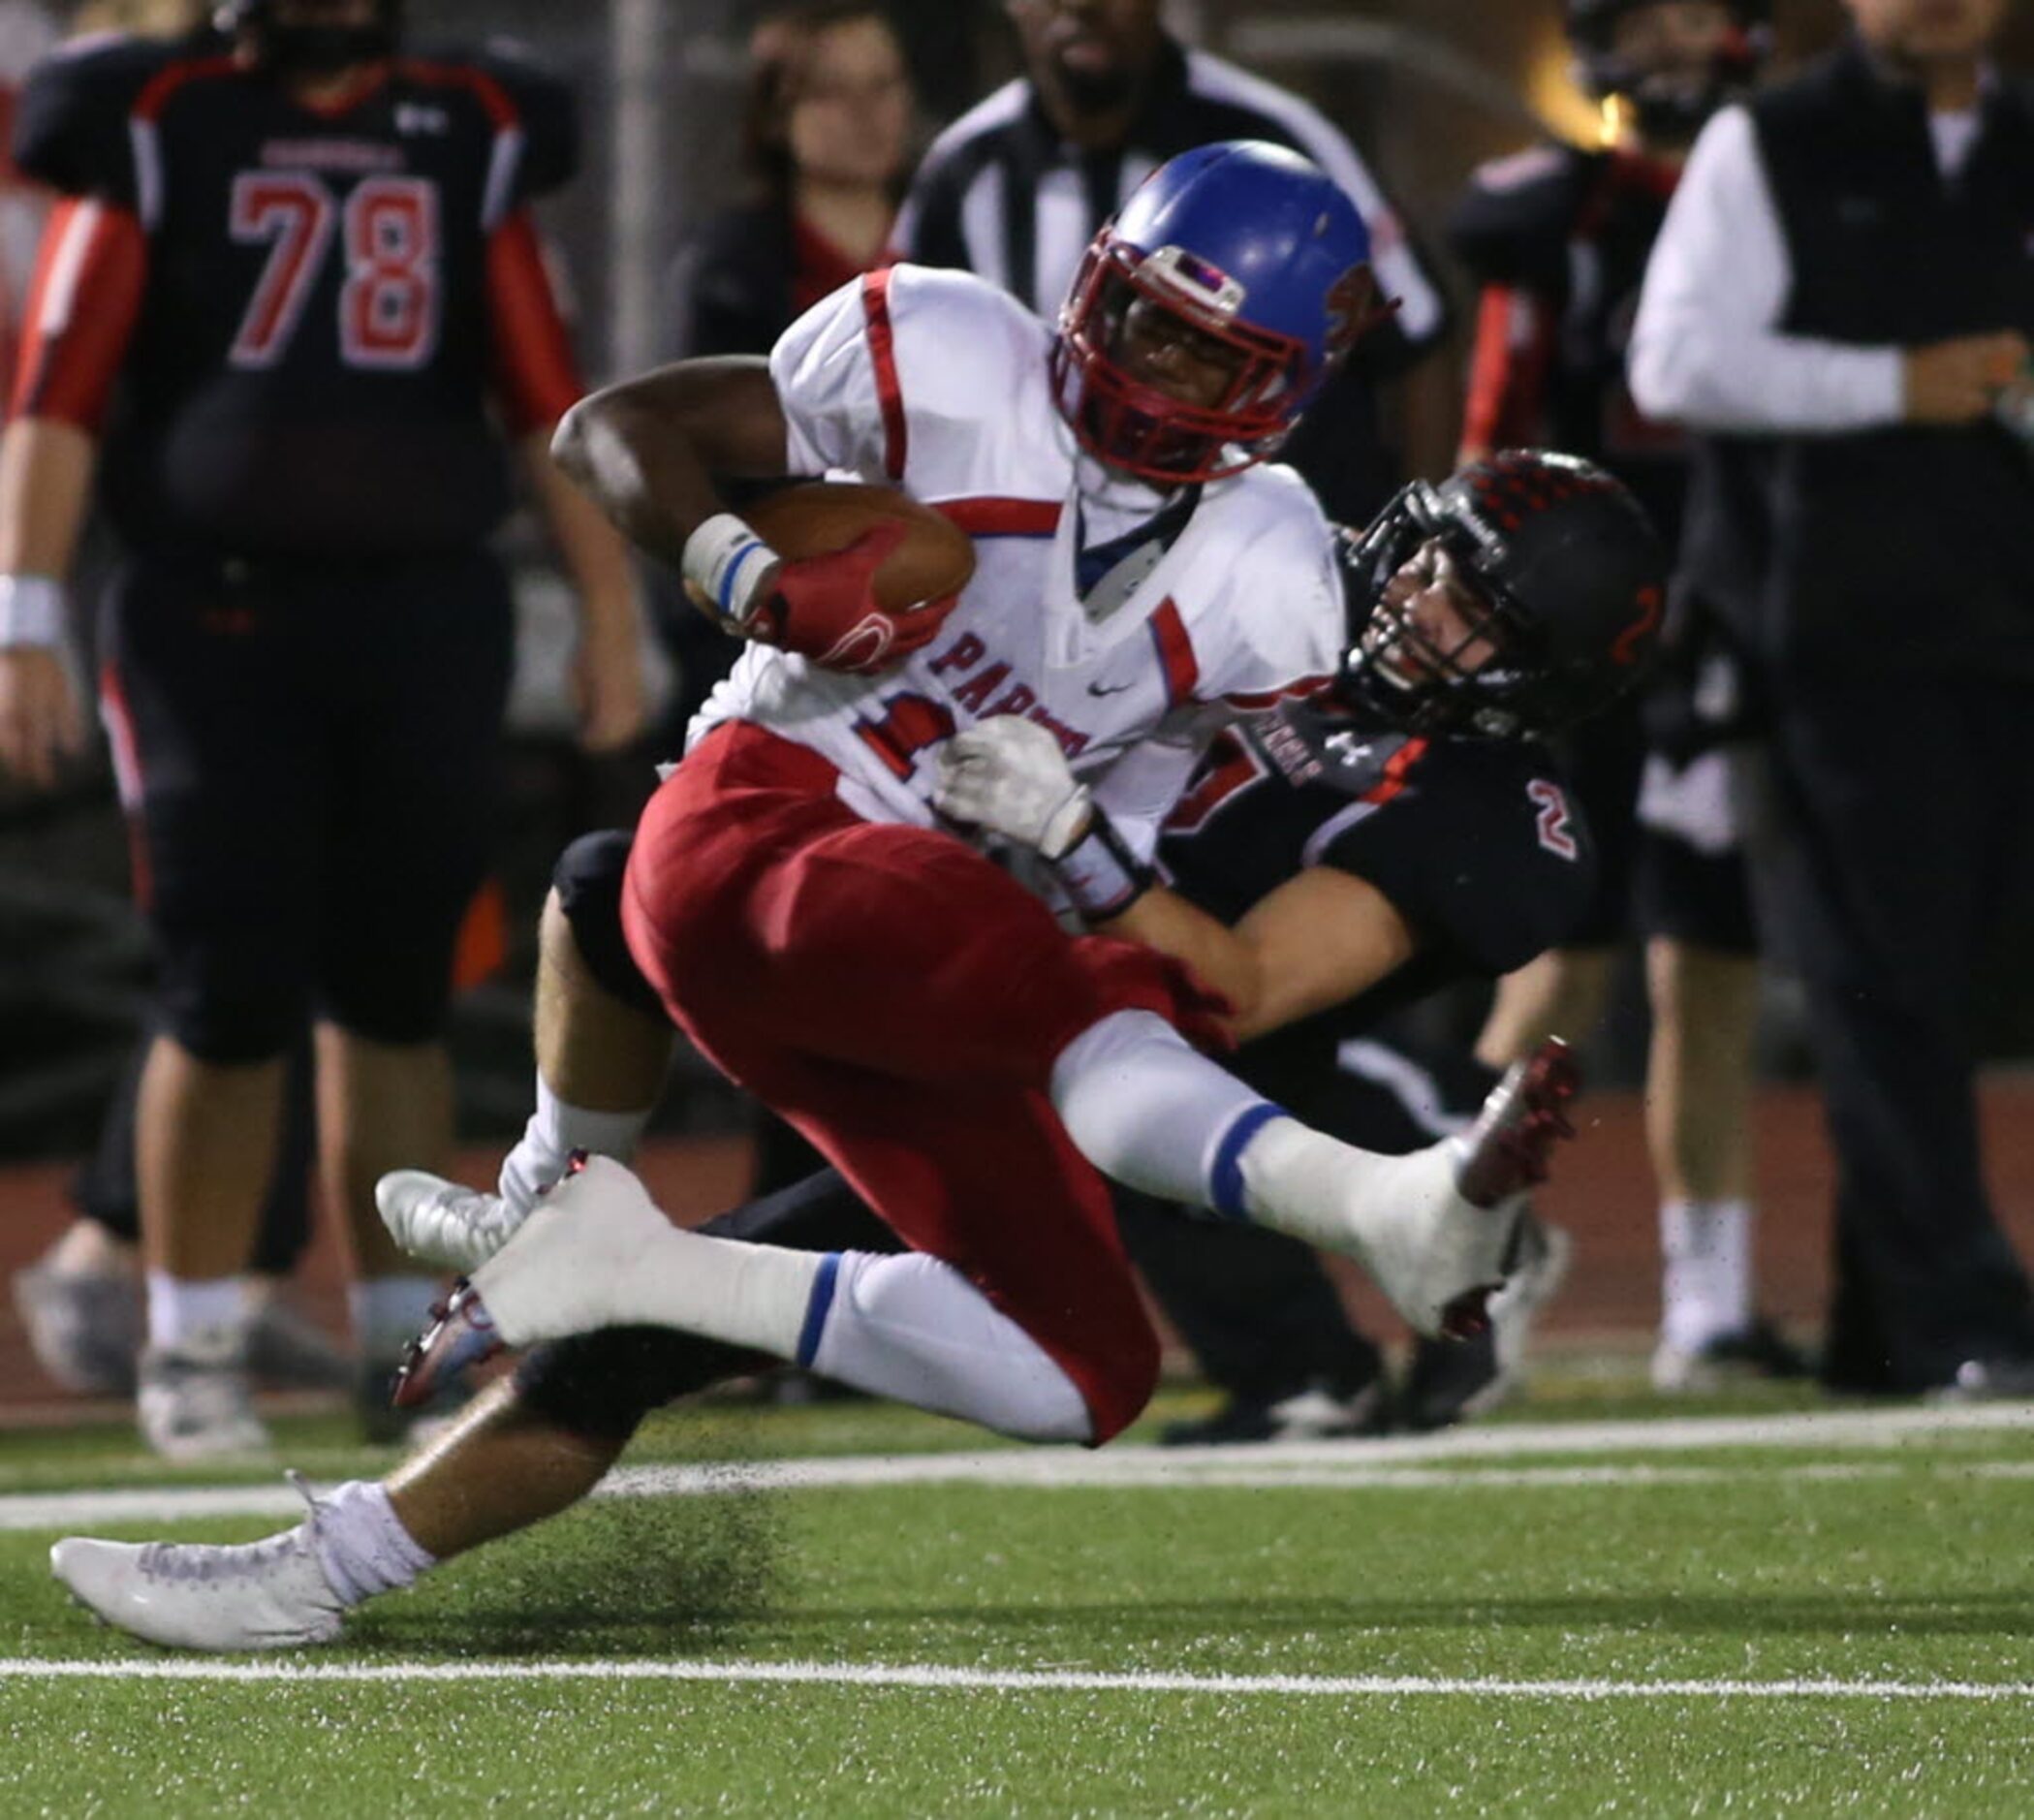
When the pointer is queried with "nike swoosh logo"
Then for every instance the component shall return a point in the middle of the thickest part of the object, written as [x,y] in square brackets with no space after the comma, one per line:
[1095,688]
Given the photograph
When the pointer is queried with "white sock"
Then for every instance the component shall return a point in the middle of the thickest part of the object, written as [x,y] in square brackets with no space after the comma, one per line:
[556,1130]
[1148,1109]
[1301,1181]
[389,1311]
[362,1546]
[915,1330]
[1706,1251]
[727,1289]
[181,1308]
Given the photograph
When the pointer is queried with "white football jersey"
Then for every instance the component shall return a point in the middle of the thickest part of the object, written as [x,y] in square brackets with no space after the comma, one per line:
[937,382]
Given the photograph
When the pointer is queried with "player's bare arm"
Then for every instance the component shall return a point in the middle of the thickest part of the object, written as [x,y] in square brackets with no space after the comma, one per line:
[607,671]
[45,480]
[1318,941]
[648,450]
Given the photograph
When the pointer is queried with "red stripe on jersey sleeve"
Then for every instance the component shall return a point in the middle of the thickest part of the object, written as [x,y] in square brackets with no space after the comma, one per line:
[536,373]
[1507,372]
[1271,698]
[90,271]
[1001,518]
[1395,768]
[165,81]
[882,347]
[1175,653]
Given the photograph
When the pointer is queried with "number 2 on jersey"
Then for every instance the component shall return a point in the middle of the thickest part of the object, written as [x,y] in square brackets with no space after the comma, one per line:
[1555,823]
[389,227]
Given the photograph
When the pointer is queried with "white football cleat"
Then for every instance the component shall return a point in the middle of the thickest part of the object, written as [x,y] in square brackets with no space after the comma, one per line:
[257,1595]
[566,1270]
[444,1222]
[196,1401]
[1437,1230]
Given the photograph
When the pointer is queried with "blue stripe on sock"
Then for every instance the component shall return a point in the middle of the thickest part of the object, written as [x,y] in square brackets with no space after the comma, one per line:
[1225,1181]
[819,1307]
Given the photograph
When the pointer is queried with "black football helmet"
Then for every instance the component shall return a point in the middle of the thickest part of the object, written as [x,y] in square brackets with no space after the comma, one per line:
[308,50]
[1567,572]
[1666,109]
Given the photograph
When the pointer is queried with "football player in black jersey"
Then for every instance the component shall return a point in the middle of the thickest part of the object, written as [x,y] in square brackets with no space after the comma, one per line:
[1406,827]
[290,301]
[1558,237]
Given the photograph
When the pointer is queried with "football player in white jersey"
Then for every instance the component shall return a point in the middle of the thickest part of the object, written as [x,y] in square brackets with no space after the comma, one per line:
[1452,638]
[967,1066]
[917,1015]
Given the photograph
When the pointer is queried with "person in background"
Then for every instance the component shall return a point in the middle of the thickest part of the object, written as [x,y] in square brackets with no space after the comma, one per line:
[1858,516]
[312,265]
[1557,238]
[828,125]
[1016,187]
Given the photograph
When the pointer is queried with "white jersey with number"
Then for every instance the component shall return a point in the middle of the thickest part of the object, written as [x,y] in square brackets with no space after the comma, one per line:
[938,382]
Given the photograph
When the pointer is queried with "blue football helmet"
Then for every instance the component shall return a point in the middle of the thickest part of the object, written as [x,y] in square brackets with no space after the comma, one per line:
[1250,246]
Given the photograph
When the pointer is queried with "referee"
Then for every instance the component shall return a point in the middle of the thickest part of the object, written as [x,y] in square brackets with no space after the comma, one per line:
[1840,301]
[1017,186]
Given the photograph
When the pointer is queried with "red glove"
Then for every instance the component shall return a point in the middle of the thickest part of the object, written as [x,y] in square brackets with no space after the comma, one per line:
[824,607]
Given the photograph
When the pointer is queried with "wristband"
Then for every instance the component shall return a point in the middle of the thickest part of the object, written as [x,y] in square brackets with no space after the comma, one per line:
[31,611]
[724,559]
[1101,875]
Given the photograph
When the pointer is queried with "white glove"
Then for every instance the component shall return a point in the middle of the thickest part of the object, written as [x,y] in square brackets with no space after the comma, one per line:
[1009,776]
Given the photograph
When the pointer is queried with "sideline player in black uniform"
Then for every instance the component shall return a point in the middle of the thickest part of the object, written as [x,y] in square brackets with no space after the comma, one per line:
[1558,238]
[1355,839]
[308,261]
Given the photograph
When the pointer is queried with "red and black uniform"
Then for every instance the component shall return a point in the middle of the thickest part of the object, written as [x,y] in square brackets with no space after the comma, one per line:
[1558,239]
[1481,848]
[1478,846]
[306,337]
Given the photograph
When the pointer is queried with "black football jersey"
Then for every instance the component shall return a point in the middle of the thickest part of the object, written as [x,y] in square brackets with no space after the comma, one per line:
[1476,843]
[308,374]
[1575,228]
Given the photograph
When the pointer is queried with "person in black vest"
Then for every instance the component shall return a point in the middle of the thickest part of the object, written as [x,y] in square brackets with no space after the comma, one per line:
[1558,239]
[1840,302]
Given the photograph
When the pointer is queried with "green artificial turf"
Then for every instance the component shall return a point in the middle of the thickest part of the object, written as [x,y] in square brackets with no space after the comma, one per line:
[1907,1563]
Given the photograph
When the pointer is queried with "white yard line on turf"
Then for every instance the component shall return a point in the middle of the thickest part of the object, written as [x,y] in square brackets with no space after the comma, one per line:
[1000,1681]
[1378,1465]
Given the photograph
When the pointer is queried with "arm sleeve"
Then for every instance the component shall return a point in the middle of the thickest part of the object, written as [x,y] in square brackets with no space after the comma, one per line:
[1706,350]
[829,380]
[1477,864]
[536,375]
[90,272]
[1507,403]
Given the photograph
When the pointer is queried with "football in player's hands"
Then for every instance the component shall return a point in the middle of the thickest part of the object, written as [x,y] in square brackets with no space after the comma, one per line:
[935,557]
[866,574]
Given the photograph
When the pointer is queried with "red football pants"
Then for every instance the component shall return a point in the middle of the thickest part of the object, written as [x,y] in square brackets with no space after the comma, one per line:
[900,1000]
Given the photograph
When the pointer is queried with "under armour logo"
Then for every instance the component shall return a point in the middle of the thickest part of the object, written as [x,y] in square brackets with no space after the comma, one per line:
[414,120]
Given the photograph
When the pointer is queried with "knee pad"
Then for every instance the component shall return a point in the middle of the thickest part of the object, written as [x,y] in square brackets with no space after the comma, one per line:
[587,879]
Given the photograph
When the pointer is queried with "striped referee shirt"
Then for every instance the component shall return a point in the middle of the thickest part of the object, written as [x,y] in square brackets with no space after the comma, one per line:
[1002,194]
